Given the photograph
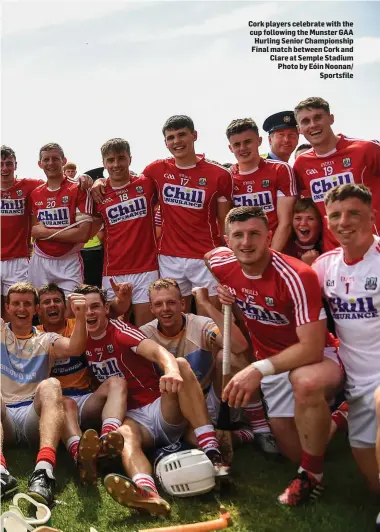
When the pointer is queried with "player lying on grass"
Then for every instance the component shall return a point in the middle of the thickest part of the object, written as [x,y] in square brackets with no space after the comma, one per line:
[31,401]
[158,408]
[278,297]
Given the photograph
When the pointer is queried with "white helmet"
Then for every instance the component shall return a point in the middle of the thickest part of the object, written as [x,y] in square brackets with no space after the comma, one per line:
[186,473]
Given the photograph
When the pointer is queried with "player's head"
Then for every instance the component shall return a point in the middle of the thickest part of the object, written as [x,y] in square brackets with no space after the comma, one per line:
[301,149]
[350,215]
[166,303]
[70,170]
[97,308]
[21,304]
[314,120]
[248,234]
[180,136]
[52,160]
[8,165]
[52,306]
[307,222]
[244,140]
[116,155]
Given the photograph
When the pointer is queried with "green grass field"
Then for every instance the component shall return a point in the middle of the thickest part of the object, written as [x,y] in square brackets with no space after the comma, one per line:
[345,505]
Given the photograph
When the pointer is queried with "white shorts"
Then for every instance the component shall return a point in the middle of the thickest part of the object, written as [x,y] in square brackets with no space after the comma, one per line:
[67,272]
[140,285]
[362,420]
[150,417]
[13,271]
[25,422]
[278,391]
[80,400]
[189,273]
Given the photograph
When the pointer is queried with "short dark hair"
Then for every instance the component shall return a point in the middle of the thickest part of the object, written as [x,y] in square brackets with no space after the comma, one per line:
[240,125]
[314,102]
[242,214]
[91,289]
[49,288]
[6,152]
[305,146]
[117,145]
[303,204]
[22,288]
[51,146]
[178,122]
[349,190]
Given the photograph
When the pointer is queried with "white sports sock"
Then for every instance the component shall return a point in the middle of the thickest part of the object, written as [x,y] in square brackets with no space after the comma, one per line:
[42,464]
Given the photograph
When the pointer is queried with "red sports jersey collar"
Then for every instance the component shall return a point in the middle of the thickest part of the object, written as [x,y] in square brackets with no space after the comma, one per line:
[201,159]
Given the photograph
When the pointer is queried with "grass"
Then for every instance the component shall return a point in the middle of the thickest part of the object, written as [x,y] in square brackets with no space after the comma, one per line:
[345,506]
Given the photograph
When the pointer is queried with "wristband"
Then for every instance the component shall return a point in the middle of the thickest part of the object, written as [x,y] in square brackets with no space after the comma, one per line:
[265,367]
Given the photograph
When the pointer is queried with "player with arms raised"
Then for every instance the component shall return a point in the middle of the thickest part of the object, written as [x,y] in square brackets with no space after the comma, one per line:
[333,160]
[286,322]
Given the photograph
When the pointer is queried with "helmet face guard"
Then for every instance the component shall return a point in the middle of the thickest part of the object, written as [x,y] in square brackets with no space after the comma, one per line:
[186,473]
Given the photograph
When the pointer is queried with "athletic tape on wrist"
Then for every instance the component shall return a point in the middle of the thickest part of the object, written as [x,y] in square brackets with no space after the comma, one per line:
[265,367]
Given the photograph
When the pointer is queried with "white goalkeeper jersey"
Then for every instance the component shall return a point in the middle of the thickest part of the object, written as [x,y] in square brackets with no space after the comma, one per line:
[353,294]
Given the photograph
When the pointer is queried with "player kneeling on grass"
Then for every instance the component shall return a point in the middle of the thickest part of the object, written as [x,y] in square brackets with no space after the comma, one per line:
[199,340]
[282,309]
[81,405]
[158,409]
[31,402]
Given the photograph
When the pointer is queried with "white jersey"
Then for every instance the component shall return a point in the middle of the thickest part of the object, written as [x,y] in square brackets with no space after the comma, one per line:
[353,294]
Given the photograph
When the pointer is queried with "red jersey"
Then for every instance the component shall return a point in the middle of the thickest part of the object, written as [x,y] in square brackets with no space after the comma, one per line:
[188,199]
[286,296]
[295,249]
[263,186]
[128,217]
[15,218]
[112,356]
[352,161]
[57,209]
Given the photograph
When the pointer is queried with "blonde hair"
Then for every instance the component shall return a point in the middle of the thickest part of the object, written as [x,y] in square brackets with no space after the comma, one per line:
[23,288]
[164,283]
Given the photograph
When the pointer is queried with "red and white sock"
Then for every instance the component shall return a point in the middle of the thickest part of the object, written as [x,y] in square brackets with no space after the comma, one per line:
[72,445]
[244,435]
[145,481]
[206,437]
[312,464]
[46,459]
[110,424]
[3,464]
[256,416]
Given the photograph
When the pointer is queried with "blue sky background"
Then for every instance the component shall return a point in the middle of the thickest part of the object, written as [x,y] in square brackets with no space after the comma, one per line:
[79,73]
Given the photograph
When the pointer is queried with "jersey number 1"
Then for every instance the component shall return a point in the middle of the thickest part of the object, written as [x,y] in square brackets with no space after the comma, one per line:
[347,287]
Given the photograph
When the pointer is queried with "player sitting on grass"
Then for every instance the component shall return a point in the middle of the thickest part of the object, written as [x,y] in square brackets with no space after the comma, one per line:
[199,340]
[158,409]
[82,405]
[31,402]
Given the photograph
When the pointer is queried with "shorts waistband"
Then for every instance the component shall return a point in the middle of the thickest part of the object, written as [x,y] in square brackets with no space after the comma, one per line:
[21,403]
[75,391]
